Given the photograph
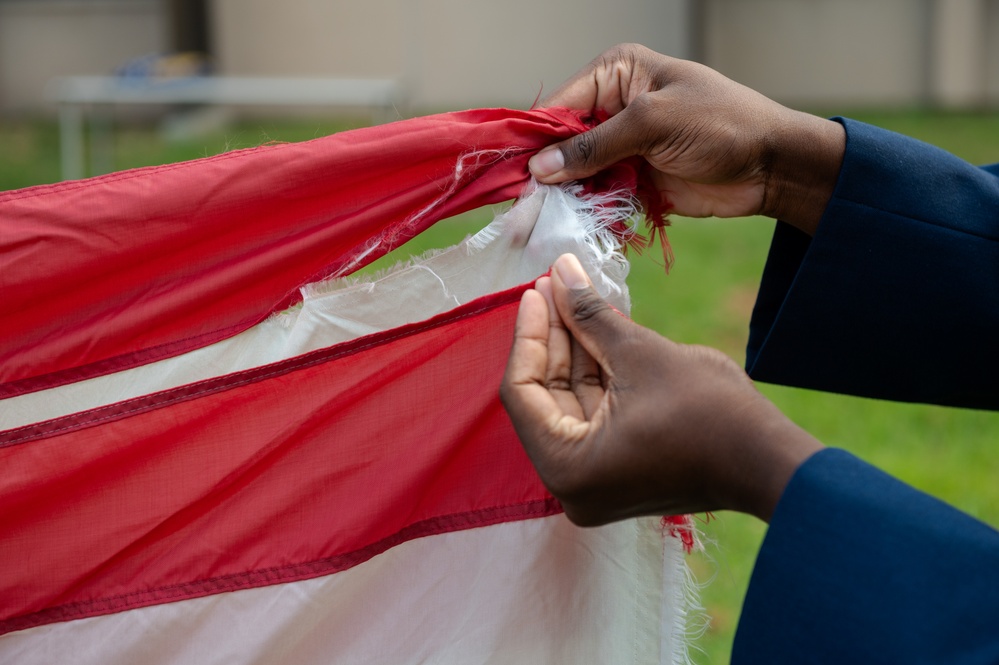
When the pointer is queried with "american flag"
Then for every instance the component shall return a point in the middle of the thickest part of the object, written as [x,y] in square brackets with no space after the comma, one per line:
[212,453]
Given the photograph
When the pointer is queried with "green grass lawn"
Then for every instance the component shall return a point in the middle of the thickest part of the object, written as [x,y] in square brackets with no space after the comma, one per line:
[706,299]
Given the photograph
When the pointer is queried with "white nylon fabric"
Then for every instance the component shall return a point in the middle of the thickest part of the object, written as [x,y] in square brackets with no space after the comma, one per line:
[536,591]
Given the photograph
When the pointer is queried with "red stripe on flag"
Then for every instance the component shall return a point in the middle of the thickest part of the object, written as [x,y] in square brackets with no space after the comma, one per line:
[300,471]
[113,272]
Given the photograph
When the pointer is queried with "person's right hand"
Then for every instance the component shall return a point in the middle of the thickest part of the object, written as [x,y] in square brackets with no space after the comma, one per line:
[621,422]
[717,148]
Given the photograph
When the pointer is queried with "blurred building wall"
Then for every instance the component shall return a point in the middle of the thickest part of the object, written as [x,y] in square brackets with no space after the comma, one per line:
[815,51]
[992,52]
[41,39]
[858,52]
[462,53]
[447,53]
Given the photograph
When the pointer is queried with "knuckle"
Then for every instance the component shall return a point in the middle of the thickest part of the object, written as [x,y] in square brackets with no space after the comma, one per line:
[558,383]
[581,150]
[642,106]
[617,53]
[587,379]
[626,52]
[645,113]
[588,308]
[650,121]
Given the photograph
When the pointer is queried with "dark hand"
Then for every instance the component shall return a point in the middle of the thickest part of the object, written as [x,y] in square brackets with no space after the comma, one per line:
[717,147]
[621,422]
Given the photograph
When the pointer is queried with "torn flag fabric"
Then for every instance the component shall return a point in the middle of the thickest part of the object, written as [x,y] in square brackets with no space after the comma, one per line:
[119,270]
[216,470]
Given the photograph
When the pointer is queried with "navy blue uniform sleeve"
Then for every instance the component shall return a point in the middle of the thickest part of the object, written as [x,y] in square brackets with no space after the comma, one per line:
[858,567]
[897,295]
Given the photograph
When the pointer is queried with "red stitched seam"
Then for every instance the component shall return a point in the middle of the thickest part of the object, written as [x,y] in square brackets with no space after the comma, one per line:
[448,523]
[120,410]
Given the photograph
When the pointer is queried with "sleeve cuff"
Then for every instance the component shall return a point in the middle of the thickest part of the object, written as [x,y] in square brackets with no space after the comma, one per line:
[897,296]
[859,567]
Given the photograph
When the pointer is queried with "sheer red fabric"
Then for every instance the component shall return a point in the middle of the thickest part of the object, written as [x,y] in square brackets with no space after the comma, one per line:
[285,472]
[135,518]
[120,270]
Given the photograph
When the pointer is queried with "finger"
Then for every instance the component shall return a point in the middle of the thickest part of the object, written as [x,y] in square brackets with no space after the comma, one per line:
[587,153]
[579,92]
[574,377]
[586,380]
[532,408]
[603,84]
[588,318]
[558,375]
[557,368]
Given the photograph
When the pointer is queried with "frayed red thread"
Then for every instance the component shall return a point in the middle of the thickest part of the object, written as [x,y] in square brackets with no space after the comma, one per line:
[708,517]
[633,175]
[537,99]
[657,207]
[682,527]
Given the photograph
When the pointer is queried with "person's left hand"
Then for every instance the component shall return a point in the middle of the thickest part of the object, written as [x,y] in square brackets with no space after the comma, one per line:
[621,422]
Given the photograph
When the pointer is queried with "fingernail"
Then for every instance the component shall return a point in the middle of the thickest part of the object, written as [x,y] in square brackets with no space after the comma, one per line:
[571,272]
[546,162]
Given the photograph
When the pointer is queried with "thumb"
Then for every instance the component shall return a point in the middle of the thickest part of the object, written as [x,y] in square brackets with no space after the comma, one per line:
[587,153]
[588,317]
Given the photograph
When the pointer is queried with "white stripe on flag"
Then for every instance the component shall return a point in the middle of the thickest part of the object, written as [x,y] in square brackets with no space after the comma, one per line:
[532,591]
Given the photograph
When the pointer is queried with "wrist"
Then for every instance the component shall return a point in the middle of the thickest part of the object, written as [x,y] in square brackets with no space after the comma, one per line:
[765,462]
[803,167]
